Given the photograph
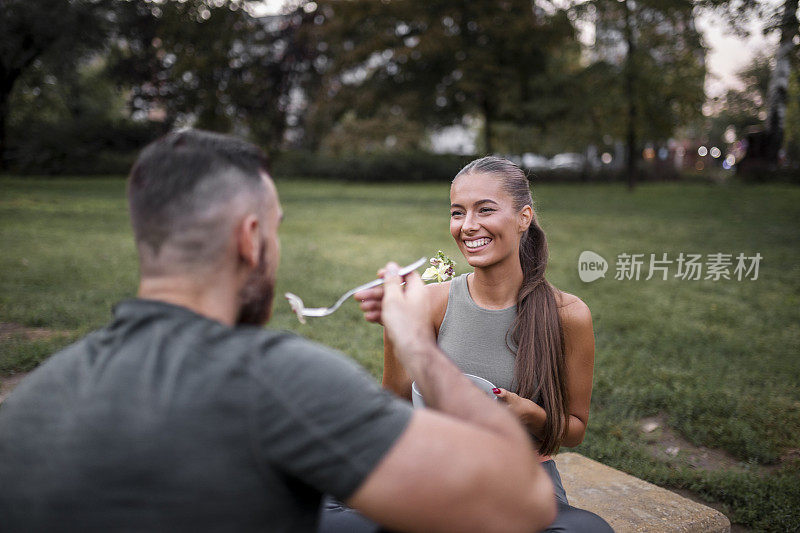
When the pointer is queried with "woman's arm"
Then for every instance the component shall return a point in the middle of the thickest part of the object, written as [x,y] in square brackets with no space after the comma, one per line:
[576,319]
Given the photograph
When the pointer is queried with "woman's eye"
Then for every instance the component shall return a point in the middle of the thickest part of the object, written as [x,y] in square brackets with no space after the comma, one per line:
[455,213]
[486,210]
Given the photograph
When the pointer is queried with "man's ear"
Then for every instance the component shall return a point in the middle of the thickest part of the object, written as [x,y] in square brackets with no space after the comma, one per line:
[525,217]
[248,240]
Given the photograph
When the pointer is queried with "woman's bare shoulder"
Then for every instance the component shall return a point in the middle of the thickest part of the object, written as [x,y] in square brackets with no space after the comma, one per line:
[439,286]
[571,309]
[438,294]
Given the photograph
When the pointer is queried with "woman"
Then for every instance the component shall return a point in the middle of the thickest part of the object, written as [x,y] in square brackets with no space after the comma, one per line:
[506,323]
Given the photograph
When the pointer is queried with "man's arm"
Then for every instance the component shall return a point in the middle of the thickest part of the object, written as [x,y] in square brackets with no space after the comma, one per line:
[466,464]
[395,377]
[447,474]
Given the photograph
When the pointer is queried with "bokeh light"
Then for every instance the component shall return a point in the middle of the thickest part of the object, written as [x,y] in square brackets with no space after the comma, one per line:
[730,135]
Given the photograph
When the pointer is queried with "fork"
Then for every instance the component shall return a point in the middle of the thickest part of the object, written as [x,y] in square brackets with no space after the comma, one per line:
[296,303]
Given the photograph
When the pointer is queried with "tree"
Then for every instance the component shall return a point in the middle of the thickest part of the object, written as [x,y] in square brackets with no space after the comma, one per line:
[630,90]
[30,30]
[653,50]
[779,82]
[781,17]
[72,121]
[433,62]
[745,108]
[212,65]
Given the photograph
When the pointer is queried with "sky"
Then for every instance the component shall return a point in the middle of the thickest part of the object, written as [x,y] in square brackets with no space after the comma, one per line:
[727,53]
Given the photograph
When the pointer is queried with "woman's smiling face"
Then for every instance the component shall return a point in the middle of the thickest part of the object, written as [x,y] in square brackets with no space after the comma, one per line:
[483,220]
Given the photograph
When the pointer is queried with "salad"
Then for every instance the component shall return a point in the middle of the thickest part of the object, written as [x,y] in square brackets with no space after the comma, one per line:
[442,268]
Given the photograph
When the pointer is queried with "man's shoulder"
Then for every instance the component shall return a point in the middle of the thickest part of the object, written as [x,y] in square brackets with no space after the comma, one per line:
[269,341]
[262,337]
[68,356]
[47,382]
[272,349]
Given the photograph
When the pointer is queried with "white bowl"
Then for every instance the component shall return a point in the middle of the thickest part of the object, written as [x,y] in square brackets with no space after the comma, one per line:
[484,384]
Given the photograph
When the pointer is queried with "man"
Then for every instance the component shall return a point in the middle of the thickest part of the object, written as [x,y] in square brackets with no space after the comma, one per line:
[184,414]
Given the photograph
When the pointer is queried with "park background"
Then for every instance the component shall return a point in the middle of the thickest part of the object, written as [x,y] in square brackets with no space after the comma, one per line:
[633,142]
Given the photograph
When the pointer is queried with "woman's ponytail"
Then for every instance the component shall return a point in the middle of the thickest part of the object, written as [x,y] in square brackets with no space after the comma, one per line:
[539,369]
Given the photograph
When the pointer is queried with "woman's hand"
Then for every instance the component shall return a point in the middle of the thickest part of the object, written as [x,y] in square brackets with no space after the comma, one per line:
[529,413]
[370,301]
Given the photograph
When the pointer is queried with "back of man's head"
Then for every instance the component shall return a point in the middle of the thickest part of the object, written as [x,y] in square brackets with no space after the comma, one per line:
[185,193]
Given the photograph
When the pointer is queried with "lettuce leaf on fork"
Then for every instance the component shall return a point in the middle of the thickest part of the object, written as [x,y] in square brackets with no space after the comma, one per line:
[442,268]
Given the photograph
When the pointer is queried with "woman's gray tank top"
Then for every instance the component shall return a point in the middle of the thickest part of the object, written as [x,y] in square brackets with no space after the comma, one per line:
[475,338]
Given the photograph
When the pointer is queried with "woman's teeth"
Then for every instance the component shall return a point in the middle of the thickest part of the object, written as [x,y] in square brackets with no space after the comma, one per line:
[477,243]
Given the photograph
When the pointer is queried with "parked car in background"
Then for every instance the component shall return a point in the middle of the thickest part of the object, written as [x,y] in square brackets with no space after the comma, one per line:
[568,161]
[535,162]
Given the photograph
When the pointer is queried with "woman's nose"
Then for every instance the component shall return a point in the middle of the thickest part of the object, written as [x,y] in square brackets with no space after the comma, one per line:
[470,223]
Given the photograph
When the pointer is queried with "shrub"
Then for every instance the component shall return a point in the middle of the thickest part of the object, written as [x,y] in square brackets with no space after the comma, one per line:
[421,166]
[77,147]
[383,167]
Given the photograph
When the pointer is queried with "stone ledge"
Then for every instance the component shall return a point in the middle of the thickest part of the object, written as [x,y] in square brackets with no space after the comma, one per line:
[630,504]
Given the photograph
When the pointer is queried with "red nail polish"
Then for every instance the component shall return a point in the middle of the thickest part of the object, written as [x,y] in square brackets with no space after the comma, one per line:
[496,391]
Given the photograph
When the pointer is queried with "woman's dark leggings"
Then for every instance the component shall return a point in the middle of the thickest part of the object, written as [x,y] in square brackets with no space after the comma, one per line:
[335,517]
[569,518]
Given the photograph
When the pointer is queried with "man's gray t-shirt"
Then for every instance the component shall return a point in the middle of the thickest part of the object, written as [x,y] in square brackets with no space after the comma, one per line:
[168,421]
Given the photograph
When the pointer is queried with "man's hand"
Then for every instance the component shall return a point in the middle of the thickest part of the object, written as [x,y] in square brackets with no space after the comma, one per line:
[403,311]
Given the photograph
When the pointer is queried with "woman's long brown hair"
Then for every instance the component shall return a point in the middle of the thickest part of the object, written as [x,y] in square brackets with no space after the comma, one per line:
[539,368]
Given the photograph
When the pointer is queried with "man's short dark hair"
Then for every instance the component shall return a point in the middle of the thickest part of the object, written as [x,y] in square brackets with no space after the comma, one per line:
[181,188]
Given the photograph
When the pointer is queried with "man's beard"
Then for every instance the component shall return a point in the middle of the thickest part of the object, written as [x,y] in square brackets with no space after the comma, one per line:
[255,298]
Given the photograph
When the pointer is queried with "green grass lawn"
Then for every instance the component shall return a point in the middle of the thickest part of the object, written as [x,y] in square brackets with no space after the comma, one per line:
[716,361]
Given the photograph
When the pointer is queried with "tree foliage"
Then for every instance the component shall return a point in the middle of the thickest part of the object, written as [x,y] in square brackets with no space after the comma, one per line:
[648,62]
[55,33]
[780,18]
[433,62]
[360,75]
[72,122]
[745,108]
[213,65]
